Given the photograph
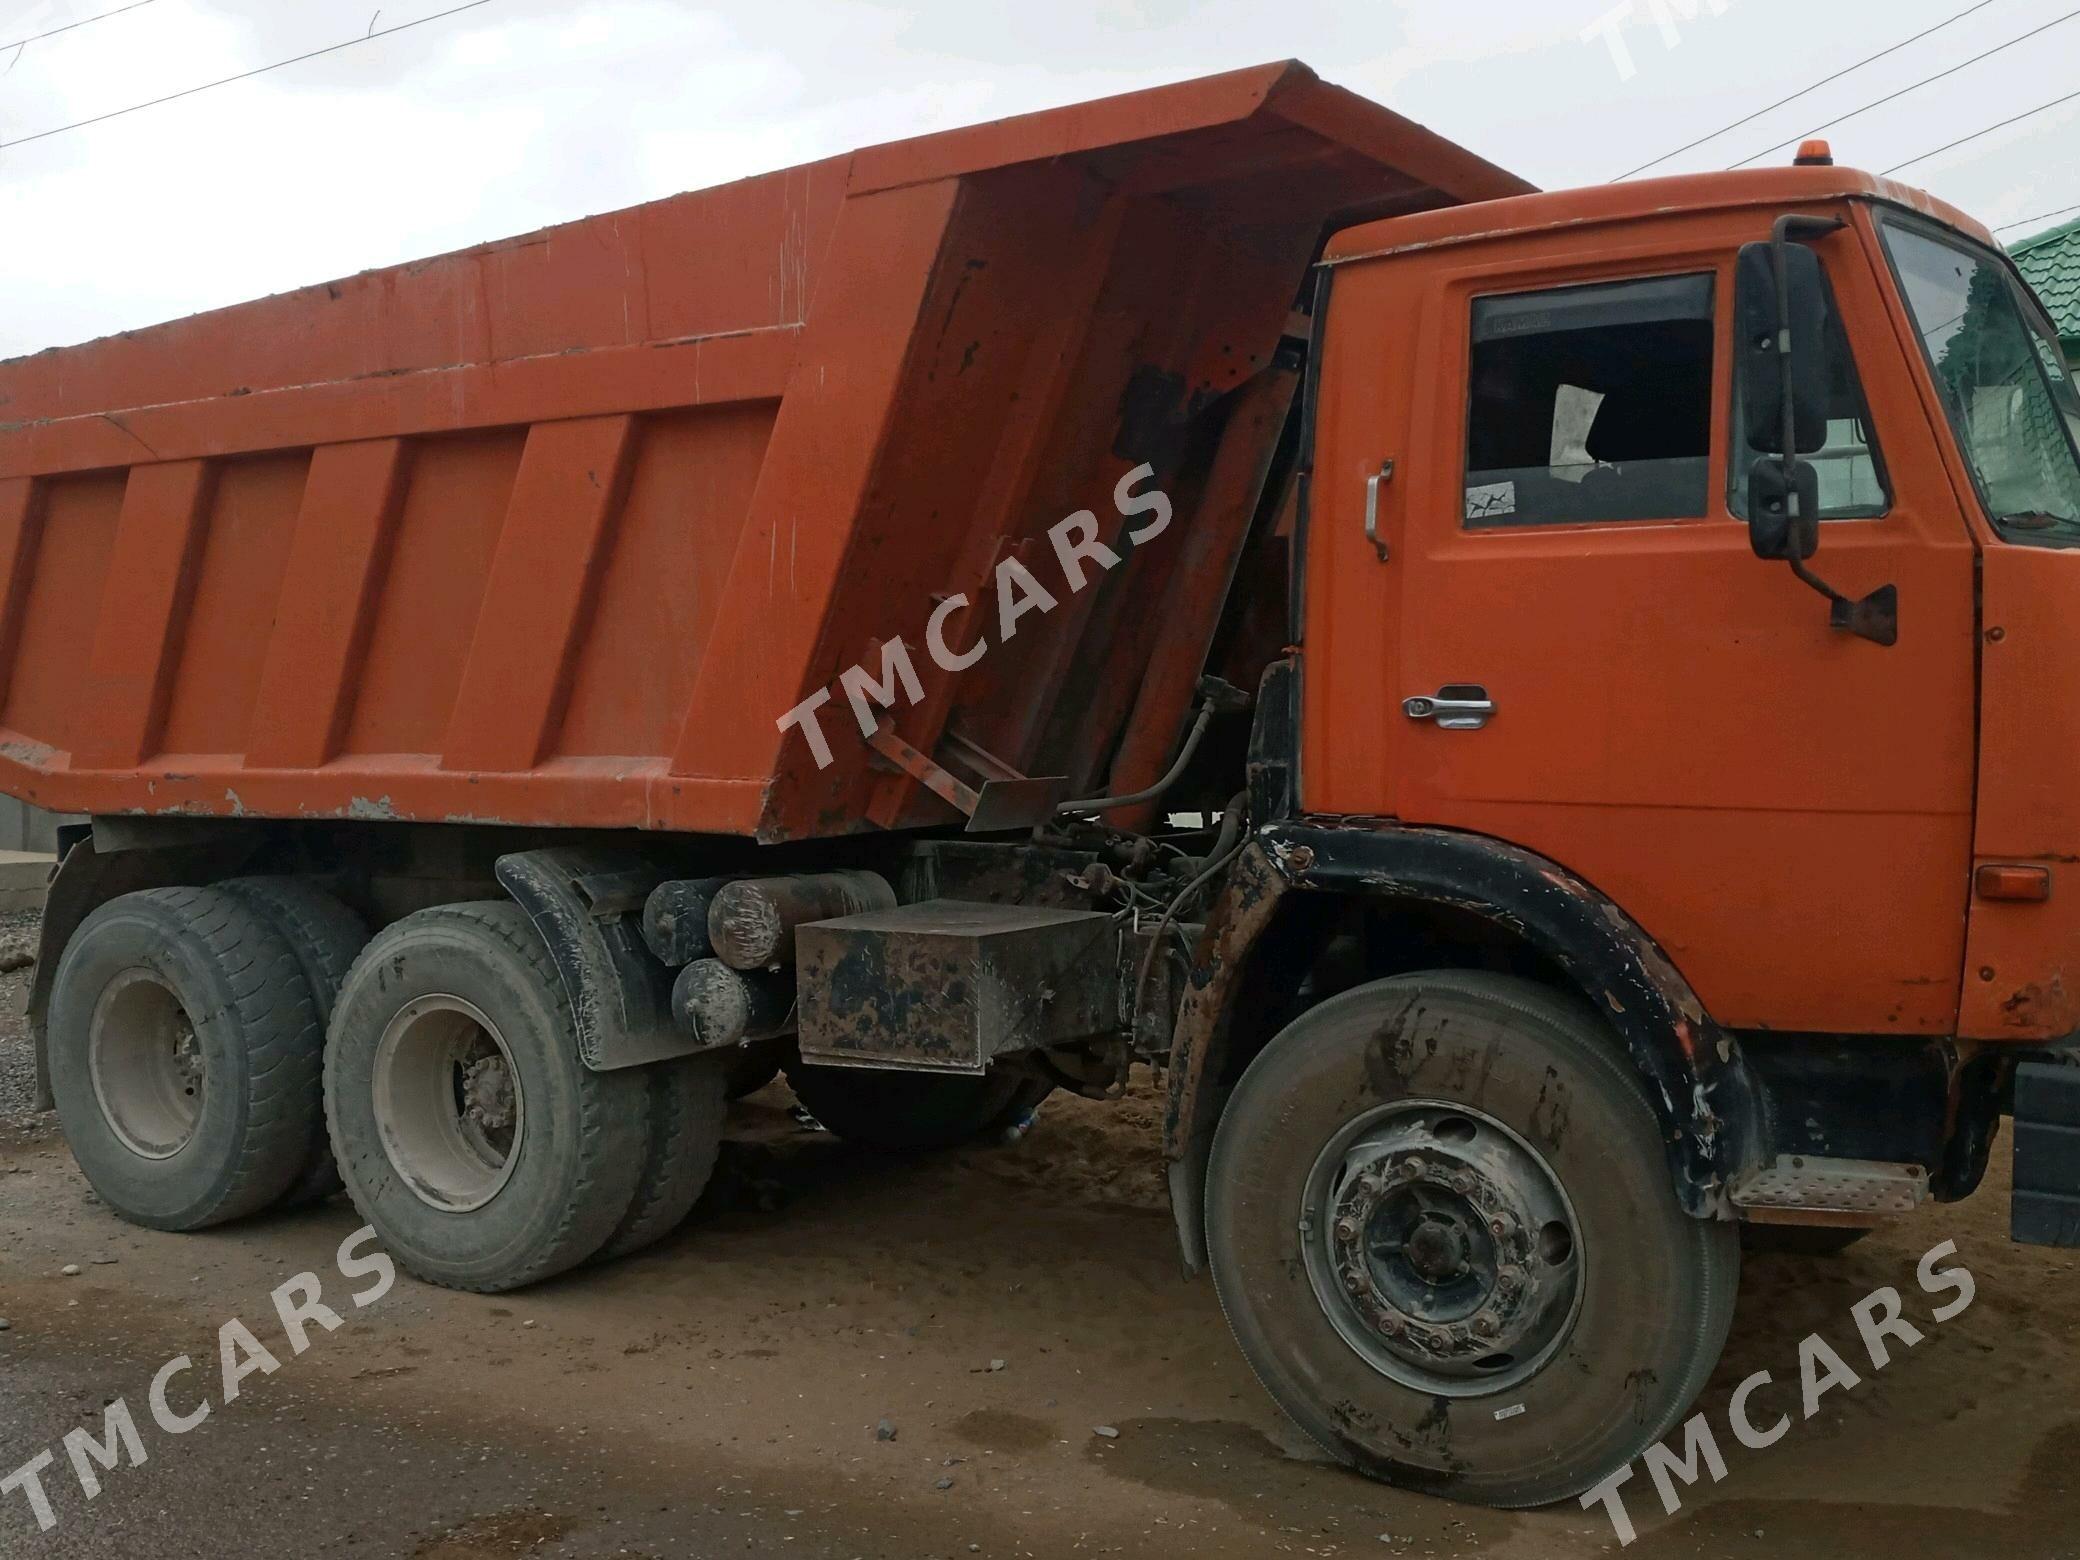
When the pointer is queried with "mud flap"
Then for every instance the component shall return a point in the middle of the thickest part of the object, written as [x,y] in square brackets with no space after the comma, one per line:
[588,905]
[2047,1154]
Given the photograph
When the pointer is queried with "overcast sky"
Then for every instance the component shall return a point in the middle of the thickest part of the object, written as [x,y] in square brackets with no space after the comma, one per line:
[525,112]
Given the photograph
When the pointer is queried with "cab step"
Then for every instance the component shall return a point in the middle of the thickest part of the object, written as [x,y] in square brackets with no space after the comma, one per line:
[2047,1154]
[1848,1190]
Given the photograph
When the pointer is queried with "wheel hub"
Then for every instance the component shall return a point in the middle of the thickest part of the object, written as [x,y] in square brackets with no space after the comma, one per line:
[150,1076]
[448,1103]
[1442,1247]
[488,1096]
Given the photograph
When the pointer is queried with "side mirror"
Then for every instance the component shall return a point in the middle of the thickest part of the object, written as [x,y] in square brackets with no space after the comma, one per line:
[1778,529]
[1775,324]
[1780,310]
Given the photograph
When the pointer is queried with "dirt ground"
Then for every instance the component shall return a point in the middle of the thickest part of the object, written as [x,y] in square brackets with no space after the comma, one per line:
[721,1394]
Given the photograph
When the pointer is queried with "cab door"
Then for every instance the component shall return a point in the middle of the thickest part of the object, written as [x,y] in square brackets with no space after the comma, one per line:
[1578,652]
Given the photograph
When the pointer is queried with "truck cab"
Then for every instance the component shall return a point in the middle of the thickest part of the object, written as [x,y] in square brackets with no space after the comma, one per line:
[1686,577]
[1828,834]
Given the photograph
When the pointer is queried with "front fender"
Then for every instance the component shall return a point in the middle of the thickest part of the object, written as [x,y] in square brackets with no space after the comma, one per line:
[1706,1098]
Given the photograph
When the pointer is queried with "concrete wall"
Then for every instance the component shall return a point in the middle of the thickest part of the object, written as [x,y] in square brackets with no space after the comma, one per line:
[23,827]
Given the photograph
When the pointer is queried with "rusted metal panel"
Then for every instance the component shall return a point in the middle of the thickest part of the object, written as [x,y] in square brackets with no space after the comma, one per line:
[949,985]
[1200,583]
[797,413]
[1248,902]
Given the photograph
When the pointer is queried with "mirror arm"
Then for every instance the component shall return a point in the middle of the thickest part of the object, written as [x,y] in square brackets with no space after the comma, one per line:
[1876,616]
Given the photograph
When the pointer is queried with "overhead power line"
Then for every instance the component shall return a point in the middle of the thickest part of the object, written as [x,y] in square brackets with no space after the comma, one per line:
[244,75]
[2042,216]
[85,21]
[1915,86]
[2013,119]
[1846,70]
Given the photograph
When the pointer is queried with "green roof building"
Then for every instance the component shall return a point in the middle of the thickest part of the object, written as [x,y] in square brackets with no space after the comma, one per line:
[2051,262]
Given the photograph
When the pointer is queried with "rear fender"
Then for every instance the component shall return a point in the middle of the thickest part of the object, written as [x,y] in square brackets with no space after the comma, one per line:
[587,904]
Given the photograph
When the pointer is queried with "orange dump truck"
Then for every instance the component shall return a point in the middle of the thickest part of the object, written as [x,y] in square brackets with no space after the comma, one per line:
[1539,713]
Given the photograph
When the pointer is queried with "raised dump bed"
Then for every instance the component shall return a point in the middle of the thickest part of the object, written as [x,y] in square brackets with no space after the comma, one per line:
[555,530]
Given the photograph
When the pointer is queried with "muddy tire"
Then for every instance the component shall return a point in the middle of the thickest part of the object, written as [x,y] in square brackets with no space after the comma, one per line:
[486,1155]
[901,1111]
[326,938]
[1799,1240]
[1357,1176]
[185,1055]
[688,1099]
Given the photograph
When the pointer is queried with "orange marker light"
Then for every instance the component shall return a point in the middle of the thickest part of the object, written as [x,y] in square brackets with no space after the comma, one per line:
[1814,154]
[2031,885]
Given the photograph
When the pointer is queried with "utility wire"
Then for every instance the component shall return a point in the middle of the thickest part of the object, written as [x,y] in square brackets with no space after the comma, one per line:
[1805,91]
[2041,108]
[2042,216]
[244,75]
[1910,87]
[85,21]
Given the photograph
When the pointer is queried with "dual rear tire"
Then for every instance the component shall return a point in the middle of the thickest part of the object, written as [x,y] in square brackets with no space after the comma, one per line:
[185,1051]
[195,1082]
[470,1134]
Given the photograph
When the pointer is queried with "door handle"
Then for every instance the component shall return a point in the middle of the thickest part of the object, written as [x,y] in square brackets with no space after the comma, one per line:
[1373,483]
[1460,707]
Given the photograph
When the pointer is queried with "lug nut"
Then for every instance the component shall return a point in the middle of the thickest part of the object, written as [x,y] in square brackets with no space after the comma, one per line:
[1484,1325]
[1462,1183]
[1346,1230]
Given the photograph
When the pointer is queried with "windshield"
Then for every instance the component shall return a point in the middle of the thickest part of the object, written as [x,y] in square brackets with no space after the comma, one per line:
[2004,381]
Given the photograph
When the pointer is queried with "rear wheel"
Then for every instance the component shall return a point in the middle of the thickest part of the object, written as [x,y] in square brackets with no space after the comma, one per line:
[326,938]
[1441,1225]
[486,1155]
[184,1056]
[688,1099]
[901,1110]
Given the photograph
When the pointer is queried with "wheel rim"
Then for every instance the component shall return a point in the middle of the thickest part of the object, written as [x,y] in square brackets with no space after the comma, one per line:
[150,1077]
[1443,1248]
[448,1103]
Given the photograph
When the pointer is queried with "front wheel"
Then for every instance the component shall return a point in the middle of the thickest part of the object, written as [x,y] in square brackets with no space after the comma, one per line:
[1441,1225]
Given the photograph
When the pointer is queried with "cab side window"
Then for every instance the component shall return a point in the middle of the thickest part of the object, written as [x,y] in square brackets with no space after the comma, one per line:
[1853,484]
[1591,403]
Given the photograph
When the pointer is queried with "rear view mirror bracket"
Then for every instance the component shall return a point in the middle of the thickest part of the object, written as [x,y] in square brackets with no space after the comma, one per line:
[1784,505]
